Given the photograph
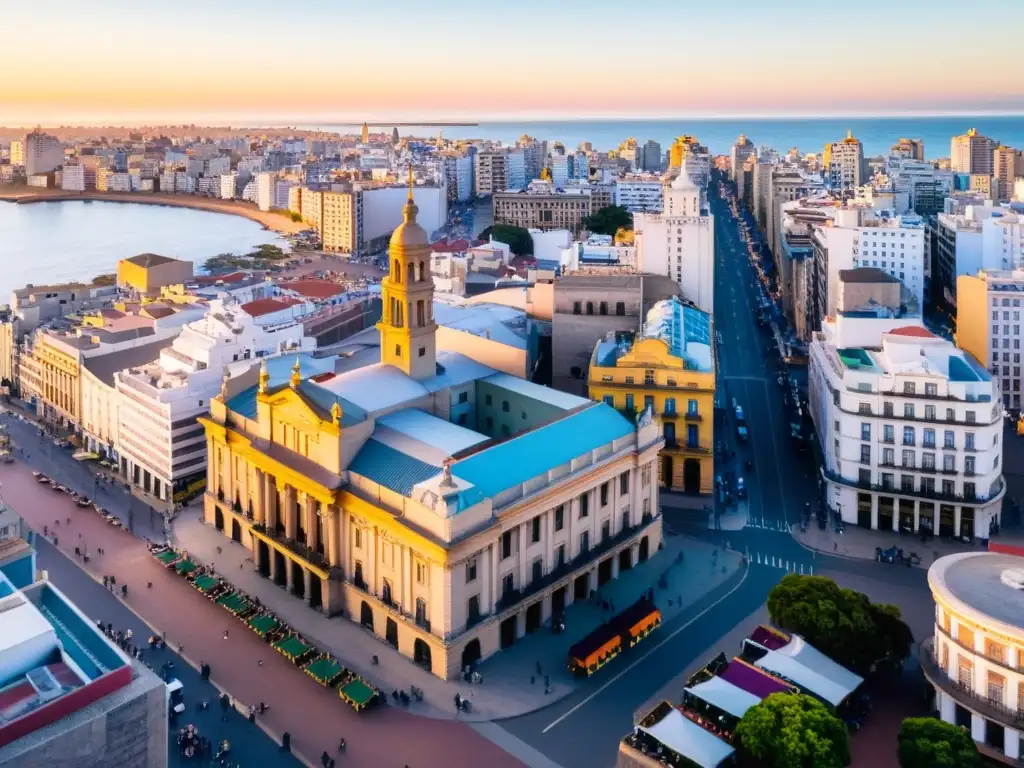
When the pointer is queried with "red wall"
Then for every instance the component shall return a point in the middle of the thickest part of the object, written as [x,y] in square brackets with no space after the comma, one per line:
[66,705]
[1006,549]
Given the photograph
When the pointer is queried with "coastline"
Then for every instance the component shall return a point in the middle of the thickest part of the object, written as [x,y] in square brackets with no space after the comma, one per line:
[23,195]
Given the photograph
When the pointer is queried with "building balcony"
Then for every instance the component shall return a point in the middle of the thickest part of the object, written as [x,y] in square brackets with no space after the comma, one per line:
[299,549]
[693,416]
[928,495]
[513,597]
[999,662]
[990,708]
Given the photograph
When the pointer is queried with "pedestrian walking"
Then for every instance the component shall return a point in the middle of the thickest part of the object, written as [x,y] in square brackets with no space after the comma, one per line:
[325,759]
[458,703]
[225,634]
[124,590]
[259,662]
[835,546]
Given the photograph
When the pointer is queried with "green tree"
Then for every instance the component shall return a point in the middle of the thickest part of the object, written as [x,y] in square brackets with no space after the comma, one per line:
[791,730]
[609,220]
[925,742]
[841,623]
[517,238]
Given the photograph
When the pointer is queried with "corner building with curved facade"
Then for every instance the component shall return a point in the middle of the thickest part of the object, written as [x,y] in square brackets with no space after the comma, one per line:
[975,660]
[448,508]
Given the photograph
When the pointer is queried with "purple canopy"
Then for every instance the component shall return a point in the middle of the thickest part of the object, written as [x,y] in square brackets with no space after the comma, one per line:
[753,680]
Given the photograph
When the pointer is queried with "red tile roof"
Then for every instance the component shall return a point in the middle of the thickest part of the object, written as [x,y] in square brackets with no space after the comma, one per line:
[314,289]
[913,330]
[262,307]
[232,277]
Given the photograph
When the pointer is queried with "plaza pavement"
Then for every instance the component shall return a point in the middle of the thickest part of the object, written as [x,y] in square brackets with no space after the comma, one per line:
[511,686]
[315,717]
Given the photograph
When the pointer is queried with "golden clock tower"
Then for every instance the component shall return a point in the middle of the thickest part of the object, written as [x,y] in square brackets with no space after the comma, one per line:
[407,324]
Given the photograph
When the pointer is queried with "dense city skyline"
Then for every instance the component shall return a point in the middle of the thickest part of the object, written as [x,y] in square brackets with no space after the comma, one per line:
[662,69]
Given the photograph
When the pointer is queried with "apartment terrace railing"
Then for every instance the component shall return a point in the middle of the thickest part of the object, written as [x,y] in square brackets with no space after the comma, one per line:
[991,708]
[931,495]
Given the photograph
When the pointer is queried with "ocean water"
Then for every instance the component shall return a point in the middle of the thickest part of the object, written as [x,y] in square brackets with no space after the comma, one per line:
[809,135]
[46,243]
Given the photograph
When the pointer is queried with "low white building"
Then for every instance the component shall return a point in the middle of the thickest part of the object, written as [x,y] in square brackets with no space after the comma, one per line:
[640,193]
[910,427]
[161,445]
[73,178]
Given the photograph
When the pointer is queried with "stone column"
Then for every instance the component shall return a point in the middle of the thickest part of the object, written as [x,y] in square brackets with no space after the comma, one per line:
[483,566]
[371,566]
[495,584]
[289,574]
[307,584]
[291,524]
[331,546]
[874,511]
[548,532]
[957,510]
[407,581]
[523,535]
[1011,744]
[273,564]
[917,517]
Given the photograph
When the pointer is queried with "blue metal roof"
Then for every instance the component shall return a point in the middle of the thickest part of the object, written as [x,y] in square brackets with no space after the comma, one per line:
[515,461]
[391,468]
[280,370]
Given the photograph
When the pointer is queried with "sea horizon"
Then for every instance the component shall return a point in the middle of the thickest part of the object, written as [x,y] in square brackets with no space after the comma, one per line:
[809,134]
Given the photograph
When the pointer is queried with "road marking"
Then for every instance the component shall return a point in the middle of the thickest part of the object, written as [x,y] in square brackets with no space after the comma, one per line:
[685,626]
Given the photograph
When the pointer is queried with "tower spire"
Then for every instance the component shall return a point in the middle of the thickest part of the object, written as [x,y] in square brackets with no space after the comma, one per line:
[410,182]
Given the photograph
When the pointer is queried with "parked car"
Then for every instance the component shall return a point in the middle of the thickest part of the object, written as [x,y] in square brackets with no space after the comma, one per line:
[741,488]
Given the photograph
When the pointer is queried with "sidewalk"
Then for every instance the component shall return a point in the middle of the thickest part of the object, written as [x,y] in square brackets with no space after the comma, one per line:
[507,690]
[859,543]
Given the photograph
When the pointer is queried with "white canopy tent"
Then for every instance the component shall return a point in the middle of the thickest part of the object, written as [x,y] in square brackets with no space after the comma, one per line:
[683,736]
[724,695]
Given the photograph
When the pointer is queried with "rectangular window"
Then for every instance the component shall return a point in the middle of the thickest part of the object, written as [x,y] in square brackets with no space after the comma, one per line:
[908,410]
[463,397]
[888,457]
[584,505]
[969,441]
[865,454]
[887,409]
[908,435]
[888,434]
[606,530]
[506,544]
[929,412]
[629,403]
[948,462]
[609,400]
[948,439]
[907,483]
[584,542]
[559,517]
[560,556]
[604,494]
[359,538]
[969,465]
[623,483]
[928,460]
[970,417]
[931,390]
[421,573]
[909,387]
[535,530]
[504,405]
[865,431]
[471,570]
[929,438]
[670,406]
[908,459]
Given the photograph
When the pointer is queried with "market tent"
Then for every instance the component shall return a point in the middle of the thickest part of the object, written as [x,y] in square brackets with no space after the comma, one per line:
[325,670]
[724,695]
[357,692]
[800,650]
[185,567]
[263,624]
[292,647]
[684,737]
[168,556]
[206,582]
[808,679]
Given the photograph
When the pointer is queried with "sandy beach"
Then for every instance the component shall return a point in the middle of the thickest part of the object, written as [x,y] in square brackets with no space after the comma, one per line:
[270,220]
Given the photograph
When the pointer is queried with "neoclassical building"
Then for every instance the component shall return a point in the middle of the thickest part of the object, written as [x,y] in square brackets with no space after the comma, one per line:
[447,507]
[975,660]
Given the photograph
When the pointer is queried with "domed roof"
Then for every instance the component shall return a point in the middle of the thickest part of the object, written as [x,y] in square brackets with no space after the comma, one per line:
[683,180]
[409,233]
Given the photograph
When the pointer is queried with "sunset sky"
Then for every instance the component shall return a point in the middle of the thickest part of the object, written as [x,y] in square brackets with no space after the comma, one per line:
[121,61]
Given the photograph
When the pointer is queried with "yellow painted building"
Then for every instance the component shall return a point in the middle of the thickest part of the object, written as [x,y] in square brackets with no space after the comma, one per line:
[428,497]
[49,376]
[669,367]
[147,273]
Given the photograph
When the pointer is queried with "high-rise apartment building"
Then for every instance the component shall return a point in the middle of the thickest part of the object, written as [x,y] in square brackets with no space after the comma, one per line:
[490,169]
[558,165]
[533,156]
[17,153]
[908,149]
[971,153]
[652,159]
[43,153]
[988,325]
[1004,168]
[843,163]
[515,169]
[679,241]
[742,151]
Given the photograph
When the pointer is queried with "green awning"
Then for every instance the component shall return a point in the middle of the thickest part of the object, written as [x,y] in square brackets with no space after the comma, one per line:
[357,692]
[168,556]
[206,582]
[324,670]
[292,647]
[263,624]
[185,567]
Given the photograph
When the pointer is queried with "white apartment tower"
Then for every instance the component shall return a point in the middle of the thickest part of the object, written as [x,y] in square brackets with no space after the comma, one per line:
[742,151]
[679,241]
[843,163]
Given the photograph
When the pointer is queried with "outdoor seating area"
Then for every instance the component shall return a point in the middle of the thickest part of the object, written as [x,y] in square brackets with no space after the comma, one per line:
[607,641]
[319,665]
[718,695]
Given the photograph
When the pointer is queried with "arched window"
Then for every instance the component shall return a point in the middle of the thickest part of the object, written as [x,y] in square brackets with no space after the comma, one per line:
[412,272]
[397,271]
[385,595]
[420,317]
[423,271]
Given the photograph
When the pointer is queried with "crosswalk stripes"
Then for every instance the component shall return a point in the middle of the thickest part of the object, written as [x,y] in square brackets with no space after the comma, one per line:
[767,524]
[784,564]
